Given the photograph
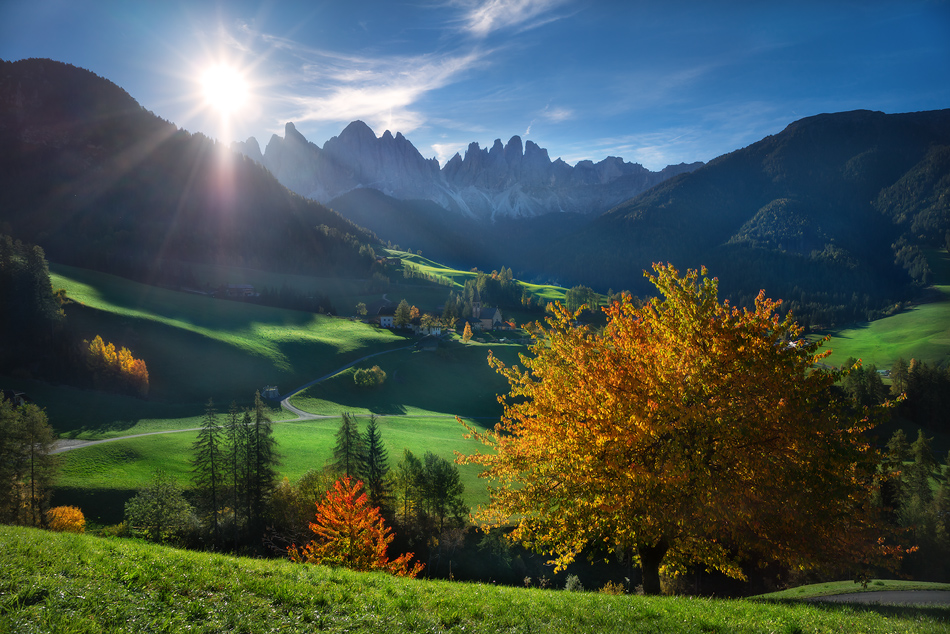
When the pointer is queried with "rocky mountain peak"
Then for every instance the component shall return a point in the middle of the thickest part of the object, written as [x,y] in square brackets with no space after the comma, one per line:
[515,179]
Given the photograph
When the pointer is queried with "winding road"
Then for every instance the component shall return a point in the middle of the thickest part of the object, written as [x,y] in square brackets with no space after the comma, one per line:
[66,444]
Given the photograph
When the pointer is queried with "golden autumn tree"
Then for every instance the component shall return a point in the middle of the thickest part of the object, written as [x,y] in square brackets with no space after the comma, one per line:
[66,519]
[116,369]
[351,534]
[685,431]
[467,332]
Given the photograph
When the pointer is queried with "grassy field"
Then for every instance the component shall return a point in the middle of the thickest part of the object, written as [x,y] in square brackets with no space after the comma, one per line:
[75,584]
[197,347]
[99,478]
[456,379]
[920,332]
[815,590]
[458,278]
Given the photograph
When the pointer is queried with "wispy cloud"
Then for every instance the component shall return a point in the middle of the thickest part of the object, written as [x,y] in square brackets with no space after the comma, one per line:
[325,86]
[495,15]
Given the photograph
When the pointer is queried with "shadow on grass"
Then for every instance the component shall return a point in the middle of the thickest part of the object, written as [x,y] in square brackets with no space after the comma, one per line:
[100,506]
[938,612]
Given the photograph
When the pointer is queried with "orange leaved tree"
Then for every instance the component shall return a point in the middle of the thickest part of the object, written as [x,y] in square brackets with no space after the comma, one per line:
[351,534]
[685,431]
[66,519]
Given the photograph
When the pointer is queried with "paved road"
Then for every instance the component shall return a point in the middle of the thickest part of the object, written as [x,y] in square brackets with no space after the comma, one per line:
[892,597]
[69,443]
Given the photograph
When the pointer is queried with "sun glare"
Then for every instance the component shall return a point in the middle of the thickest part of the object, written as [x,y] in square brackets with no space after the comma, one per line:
[224,88]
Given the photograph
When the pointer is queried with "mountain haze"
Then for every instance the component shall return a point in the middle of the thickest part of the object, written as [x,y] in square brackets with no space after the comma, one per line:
[517,179]
[836,210]
[100,182]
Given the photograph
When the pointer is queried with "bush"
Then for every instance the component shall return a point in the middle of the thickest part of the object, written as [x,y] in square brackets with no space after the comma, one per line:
[573,584]
[612,587]
[66,519]
[373,377]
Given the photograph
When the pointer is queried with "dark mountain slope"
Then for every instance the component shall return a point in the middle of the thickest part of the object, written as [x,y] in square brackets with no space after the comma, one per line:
[100,182]
[812,214]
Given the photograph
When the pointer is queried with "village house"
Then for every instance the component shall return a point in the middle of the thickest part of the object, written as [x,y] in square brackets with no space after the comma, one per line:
[387,317]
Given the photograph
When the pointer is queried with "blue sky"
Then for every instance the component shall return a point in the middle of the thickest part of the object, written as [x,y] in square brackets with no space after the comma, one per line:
[652,82]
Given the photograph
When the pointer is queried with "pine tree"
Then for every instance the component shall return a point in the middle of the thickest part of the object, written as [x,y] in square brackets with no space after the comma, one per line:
[925,467]
[26,466]
[208,467]
[403,314]
[262,462]
[235,455]
[408,478]
[350,450]
[375,472]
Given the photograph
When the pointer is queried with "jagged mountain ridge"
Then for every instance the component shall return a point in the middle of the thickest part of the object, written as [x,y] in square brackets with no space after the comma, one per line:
[517,179]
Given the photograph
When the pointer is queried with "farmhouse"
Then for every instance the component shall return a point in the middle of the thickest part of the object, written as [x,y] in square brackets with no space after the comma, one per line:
[387,317]
[236,291]
[270,391]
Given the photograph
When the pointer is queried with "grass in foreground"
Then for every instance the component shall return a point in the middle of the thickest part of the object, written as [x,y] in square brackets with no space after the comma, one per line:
[73,583]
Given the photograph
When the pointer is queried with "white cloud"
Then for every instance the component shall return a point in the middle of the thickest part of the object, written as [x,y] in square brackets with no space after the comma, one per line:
[557,115]
[494,15]
[445,151]
[316,85]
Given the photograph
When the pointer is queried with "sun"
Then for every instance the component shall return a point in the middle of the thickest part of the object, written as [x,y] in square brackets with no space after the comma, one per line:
[224,88]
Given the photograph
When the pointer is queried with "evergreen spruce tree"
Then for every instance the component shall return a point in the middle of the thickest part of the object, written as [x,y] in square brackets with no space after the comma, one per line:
[919,474]
[235,456]
[26,466]
[375,475]
[407,481]
[208,470]
[349,453]
[263,460]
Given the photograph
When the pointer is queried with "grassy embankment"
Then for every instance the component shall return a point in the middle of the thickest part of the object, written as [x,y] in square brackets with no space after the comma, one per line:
[72,583]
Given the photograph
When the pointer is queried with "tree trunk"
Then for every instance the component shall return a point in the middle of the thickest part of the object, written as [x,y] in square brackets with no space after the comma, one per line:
[650,559]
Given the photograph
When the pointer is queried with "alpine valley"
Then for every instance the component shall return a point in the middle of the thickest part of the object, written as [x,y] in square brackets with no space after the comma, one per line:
[834,213]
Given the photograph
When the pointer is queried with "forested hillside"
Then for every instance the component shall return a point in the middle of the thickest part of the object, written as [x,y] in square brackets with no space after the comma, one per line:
[101,183]
[831,214]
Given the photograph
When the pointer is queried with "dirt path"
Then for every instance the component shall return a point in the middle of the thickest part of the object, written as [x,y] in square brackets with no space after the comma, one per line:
[66,444]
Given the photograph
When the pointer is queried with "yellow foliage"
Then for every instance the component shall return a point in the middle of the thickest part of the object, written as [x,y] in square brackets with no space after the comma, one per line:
[66,519]
[684,431]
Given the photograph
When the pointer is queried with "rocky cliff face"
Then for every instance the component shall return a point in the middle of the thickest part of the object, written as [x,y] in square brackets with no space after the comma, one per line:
[514,179]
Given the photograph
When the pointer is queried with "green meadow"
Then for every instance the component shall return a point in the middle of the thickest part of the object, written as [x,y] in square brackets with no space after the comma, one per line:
[98,475]
[59,583]
[197,347]
[921,331]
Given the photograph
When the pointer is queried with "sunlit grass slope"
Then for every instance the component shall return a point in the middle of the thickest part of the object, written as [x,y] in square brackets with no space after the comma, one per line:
[458,278]
[920,332]
[73,583]
[831,588]
[197,347]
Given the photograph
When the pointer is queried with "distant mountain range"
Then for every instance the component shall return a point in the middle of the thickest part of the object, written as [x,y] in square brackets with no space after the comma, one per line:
[836,214]
[516,180]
